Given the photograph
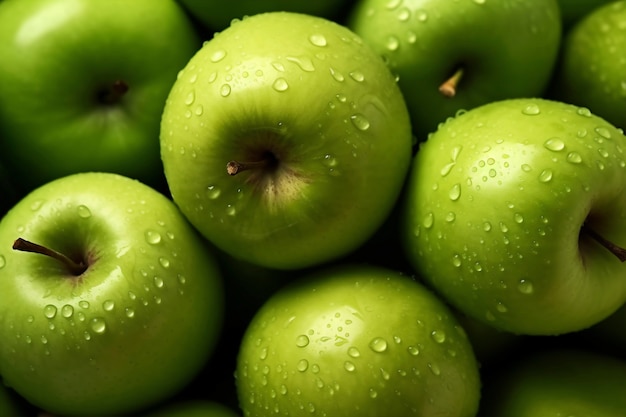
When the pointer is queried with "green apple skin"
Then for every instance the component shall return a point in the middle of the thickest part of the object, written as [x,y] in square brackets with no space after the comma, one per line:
[506,48]
[58,56]
[558,382]
[310,93]
[134,328]
[219,15]
[494,209]
[356,340]
[593,62]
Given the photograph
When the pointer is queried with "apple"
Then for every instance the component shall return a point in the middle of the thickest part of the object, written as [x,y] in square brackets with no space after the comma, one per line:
[10,404]
[591,69]
[286,140]
[193,408]
[558,382]
[218,16]
[515,212]
[84,84]
[451,55]
[573,11]
[356,340]
[123,311]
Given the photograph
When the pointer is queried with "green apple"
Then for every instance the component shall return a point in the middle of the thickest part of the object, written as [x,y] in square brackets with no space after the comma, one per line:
[124,311]
[310,125]
[558,382]
[515,212]
[451,55]
[356,341]
[84,84]
[193,408]
[591,69]
[219,15]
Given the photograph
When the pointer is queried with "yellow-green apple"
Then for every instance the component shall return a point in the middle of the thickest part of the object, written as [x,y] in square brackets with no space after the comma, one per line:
[118,307]
[84,84]
[515,212]
[276,135]
[356,341]
[451,55]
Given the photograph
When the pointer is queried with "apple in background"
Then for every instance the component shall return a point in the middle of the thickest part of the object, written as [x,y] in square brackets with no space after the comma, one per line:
[515,212]
[84,84]
[558,382]
[356,340]
[573,11]
[458,55]
[591,69]
[124,311]
[286,140]
[218,16]
[193,408]
[10,403]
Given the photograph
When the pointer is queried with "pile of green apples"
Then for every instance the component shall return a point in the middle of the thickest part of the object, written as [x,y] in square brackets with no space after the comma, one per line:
[334,208]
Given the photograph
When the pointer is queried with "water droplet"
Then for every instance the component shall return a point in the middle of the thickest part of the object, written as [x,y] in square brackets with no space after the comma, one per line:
[450,217]
[349,366]
[337,76]
[455,192]
[554,144]
[98,325]
[225,90]
[218,55]
[456,260]
[378,344]
[191,97]
[302,341]
[501,307]
[87,335]
[108,305]
[50,311]
[36,205]
[158,282]
[603,153]
[429,220]
[438,336]
[129,312]
[422,15]
[413,350]
[212,77]
[3,261]
[360,121]
[278,66]
[303,62]
[604,132]
[44,339]
[152,237]
[519,218]
[318,40]
[574,158]
[357,76]
[280,85]
[392,43]
[302,365]
[354,352]
[213,192]
[165,263]
[404,14]
[525,286]
[434,369]
[531,110]
[546,175]
[392,4]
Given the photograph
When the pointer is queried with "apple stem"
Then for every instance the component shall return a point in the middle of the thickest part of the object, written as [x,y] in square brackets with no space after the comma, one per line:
[616,250]
[448,88]
[27,246]
[113,93]
[235,167]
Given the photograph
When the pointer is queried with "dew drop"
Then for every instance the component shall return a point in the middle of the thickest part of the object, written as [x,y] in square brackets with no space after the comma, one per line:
[604,132]
[404,14]
[525,286]
[354,352]
[337,76]
[392,43]
[554,144]
[360,121]
[480,2]
[378,344]
[392,4]
[108,305]
[213,192]
[225,90]
[450,217]
[349,366]
[36,205]
[413,350]
[583,111]
[302,365]
[152,237]
[486,226]
[438,336]
[165,263]
[531,110]
[280,85]
[318,40]
[422,15]
[98,325]
[191,97]
[455,192]
[456,260]
[574,158]
[357,76]
[3,261]
[429,220]
[304,63]
[87,335]
[434,369]
[302,341]
[519,218]
[50,311]
[130,313]
[546,175]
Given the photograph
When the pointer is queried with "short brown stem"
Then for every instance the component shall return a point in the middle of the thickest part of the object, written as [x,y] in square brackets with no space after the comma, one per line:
[76,268]
[449,87]
[113,93]
[235,167]
[616,250]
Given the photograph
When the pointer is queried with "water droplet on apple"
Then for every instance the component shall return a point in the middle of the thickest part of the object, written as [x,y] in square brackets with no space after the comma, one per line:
[280,85]
[191,97]
[28,339]
[429,220]
[152,237]
[583,111]
[132,295]
[98,325]
[455,192]
[3,261]
[519,218]
[603,131]
[501,307]
[108,305]
[165,263]
[182,280]
[554,144]
[434,368]
[302,341]
[338,77]
[349,366]
[404,14]
[489,316]
[278,66]
[87,335]
[83,211]
[357,76]
[50,311]
[603,153]
[318,39]
[392,43]
[231,210]
[212,77]
[546,175]
[30,319]
[225,90]
[158,282]
[213,192]
[531,110]
[354,352]
[413,350]
[456,260]
[302,365]
[36,205]
[422,15]
[392,4]
[305,63]
[525,286]
[574,158]
[218,55]
[44,339]
[378,344]
[130,313]
[360,121]
[450,217]
[438,336]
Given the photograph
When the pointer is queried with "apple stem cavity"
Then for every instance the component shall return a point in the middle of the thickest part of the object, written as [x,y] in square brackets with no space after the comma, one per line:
[113,93]
[448,88]
[616,250]
[268,160]
[76,268]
